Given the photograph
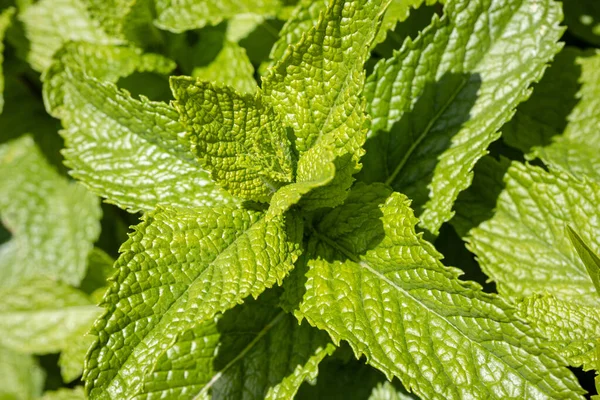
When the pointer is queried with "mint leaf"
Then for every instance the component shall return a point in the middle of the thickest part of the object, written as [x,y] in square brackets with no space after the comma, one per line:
[183,266]
[231,67]
[69,22]
[523,246]
[238,137]
[589,258]
[72,357]
[572,330]
[439,102]
[5,21]
[179,16]
[563,142]
[76,393]
[107,63]
[129,151]
[53,222]
[21,378]
[373,280]
[398,11]
[316,87]
[217,358]
[40,316]
[386,391]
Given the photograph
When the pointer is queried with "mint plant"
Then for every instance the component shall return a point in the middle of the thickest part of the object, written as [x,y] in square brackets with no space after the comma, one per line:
[294,173]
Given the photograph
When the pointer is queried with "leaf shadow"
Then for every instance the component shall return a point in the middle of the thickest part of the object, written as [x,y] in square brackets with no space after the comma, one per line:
[407,156]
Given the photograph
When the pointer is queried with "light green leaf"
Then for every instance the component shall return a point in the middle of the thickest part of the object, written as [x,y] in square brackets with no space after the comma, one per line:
[315,88]
[128,20]
[100,268]
[239,138]
[5,21]
[231,67]
[183,15]
[438,103]
[571,330]
[590,259]
[21,378]
[567,138]
[522,246]
[387,391]
[76,393]
[129,151]
[39,316]
[215,357]
[72,357]
[375,283]
[582,18]
[53,222]
[181,267]
[107,63]
[49,24]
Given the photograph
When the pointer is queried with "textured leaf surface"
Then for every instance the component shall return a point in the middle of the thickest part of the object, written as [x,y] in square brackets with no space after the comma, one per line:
[21,378]
[316,86]
[5,21]
[590,258]
[560,123]
[129,151]
[183,15]
[53,222]
[269,359]
[375,283]
[438,103]
[49,24]
[181,267]
[239,138]
[40,316]
[523,247]
[107,63]
[572,330]
[230,67]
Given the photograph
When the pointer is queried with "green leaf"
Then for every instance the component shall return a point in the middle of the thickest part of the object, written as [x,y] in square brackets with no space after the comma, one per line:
[5,21]
[572,330]
[386,391]
[438,103]
[76,393]
[129,151]
[179,268]
[69,22]
[128,20]
[583,19]
[53,222]
[375,283]
[239,138]
[21,378]
[183,15]
[522,246]
[230,67]
[315,88]
[71,360]
[107,63]
[590,259]
[217,358]
[39,316]
[100,268]
[398,11]
[568,139]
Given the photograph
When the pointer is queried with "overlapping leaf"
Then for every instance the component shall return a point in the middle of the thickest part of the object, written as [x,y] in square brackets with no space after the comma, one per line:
[40,316]
[315,89]
[268,360]
[53,222]
[560,123]
[239,138]
[21,378]
[438,103]
[522,246]
[179,268]
[129,151]
[375,283]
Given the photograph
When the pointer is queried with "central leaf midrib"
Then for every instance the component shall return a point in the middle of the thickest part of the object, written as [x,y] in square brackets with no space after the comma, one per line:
[175,302]
[370,269]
